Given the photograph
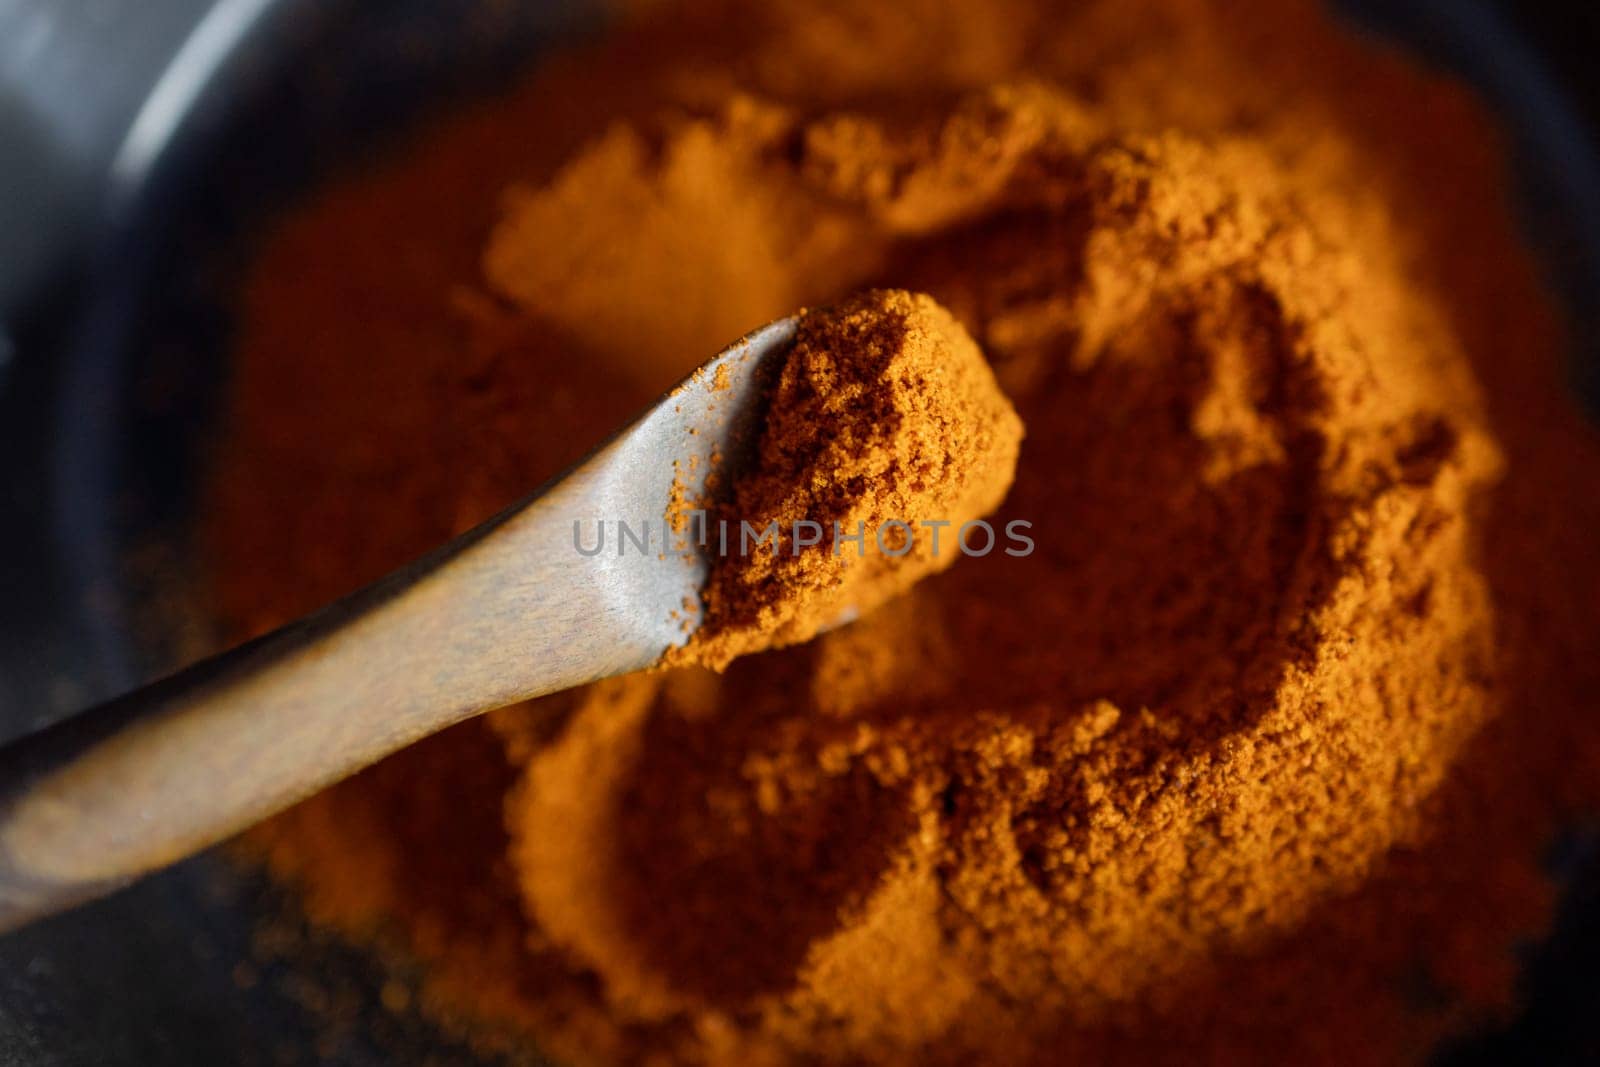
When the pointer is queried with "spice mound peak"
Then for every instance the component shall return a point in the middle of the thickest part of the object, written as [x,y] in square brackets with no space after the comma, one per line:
[885,435]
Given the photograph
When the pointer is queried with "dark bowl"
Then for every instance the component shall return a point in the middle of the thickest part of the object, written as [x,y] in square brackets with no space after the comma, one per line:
[112,425]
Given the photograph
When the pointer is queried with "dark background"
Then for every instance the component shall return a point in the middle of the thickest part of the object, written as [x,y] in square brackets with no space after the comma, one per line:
[1568,36]
[1562,1023]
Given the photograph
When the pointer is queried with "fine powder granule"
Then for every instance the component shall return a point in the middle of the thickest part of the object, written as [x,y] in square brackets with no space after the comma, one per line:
[1254,758]
[884,424]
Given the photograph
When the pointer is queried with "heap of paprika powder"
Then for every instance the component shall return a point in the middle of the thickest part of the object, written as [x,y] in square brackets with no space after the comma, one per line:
[1252,758]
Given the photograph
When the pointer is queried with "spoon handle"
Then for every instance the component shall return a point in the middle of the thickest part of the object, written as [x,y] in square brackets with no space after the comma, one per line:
[513,609]
[506,612]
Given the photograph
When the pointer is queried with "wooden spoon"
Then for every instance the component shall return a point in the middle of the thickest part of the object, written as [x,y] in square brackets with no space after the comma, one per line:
[510,610]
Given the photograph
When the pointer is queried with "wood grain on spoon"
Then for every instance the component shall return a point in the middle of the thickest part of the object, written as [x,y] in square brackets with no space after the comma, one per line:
[508,611]
[877,411]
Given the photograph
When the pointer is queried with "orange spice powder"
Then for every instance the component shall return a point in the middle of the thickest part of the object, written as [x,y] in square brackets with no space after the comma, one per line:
[1251,759]
[884,425]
